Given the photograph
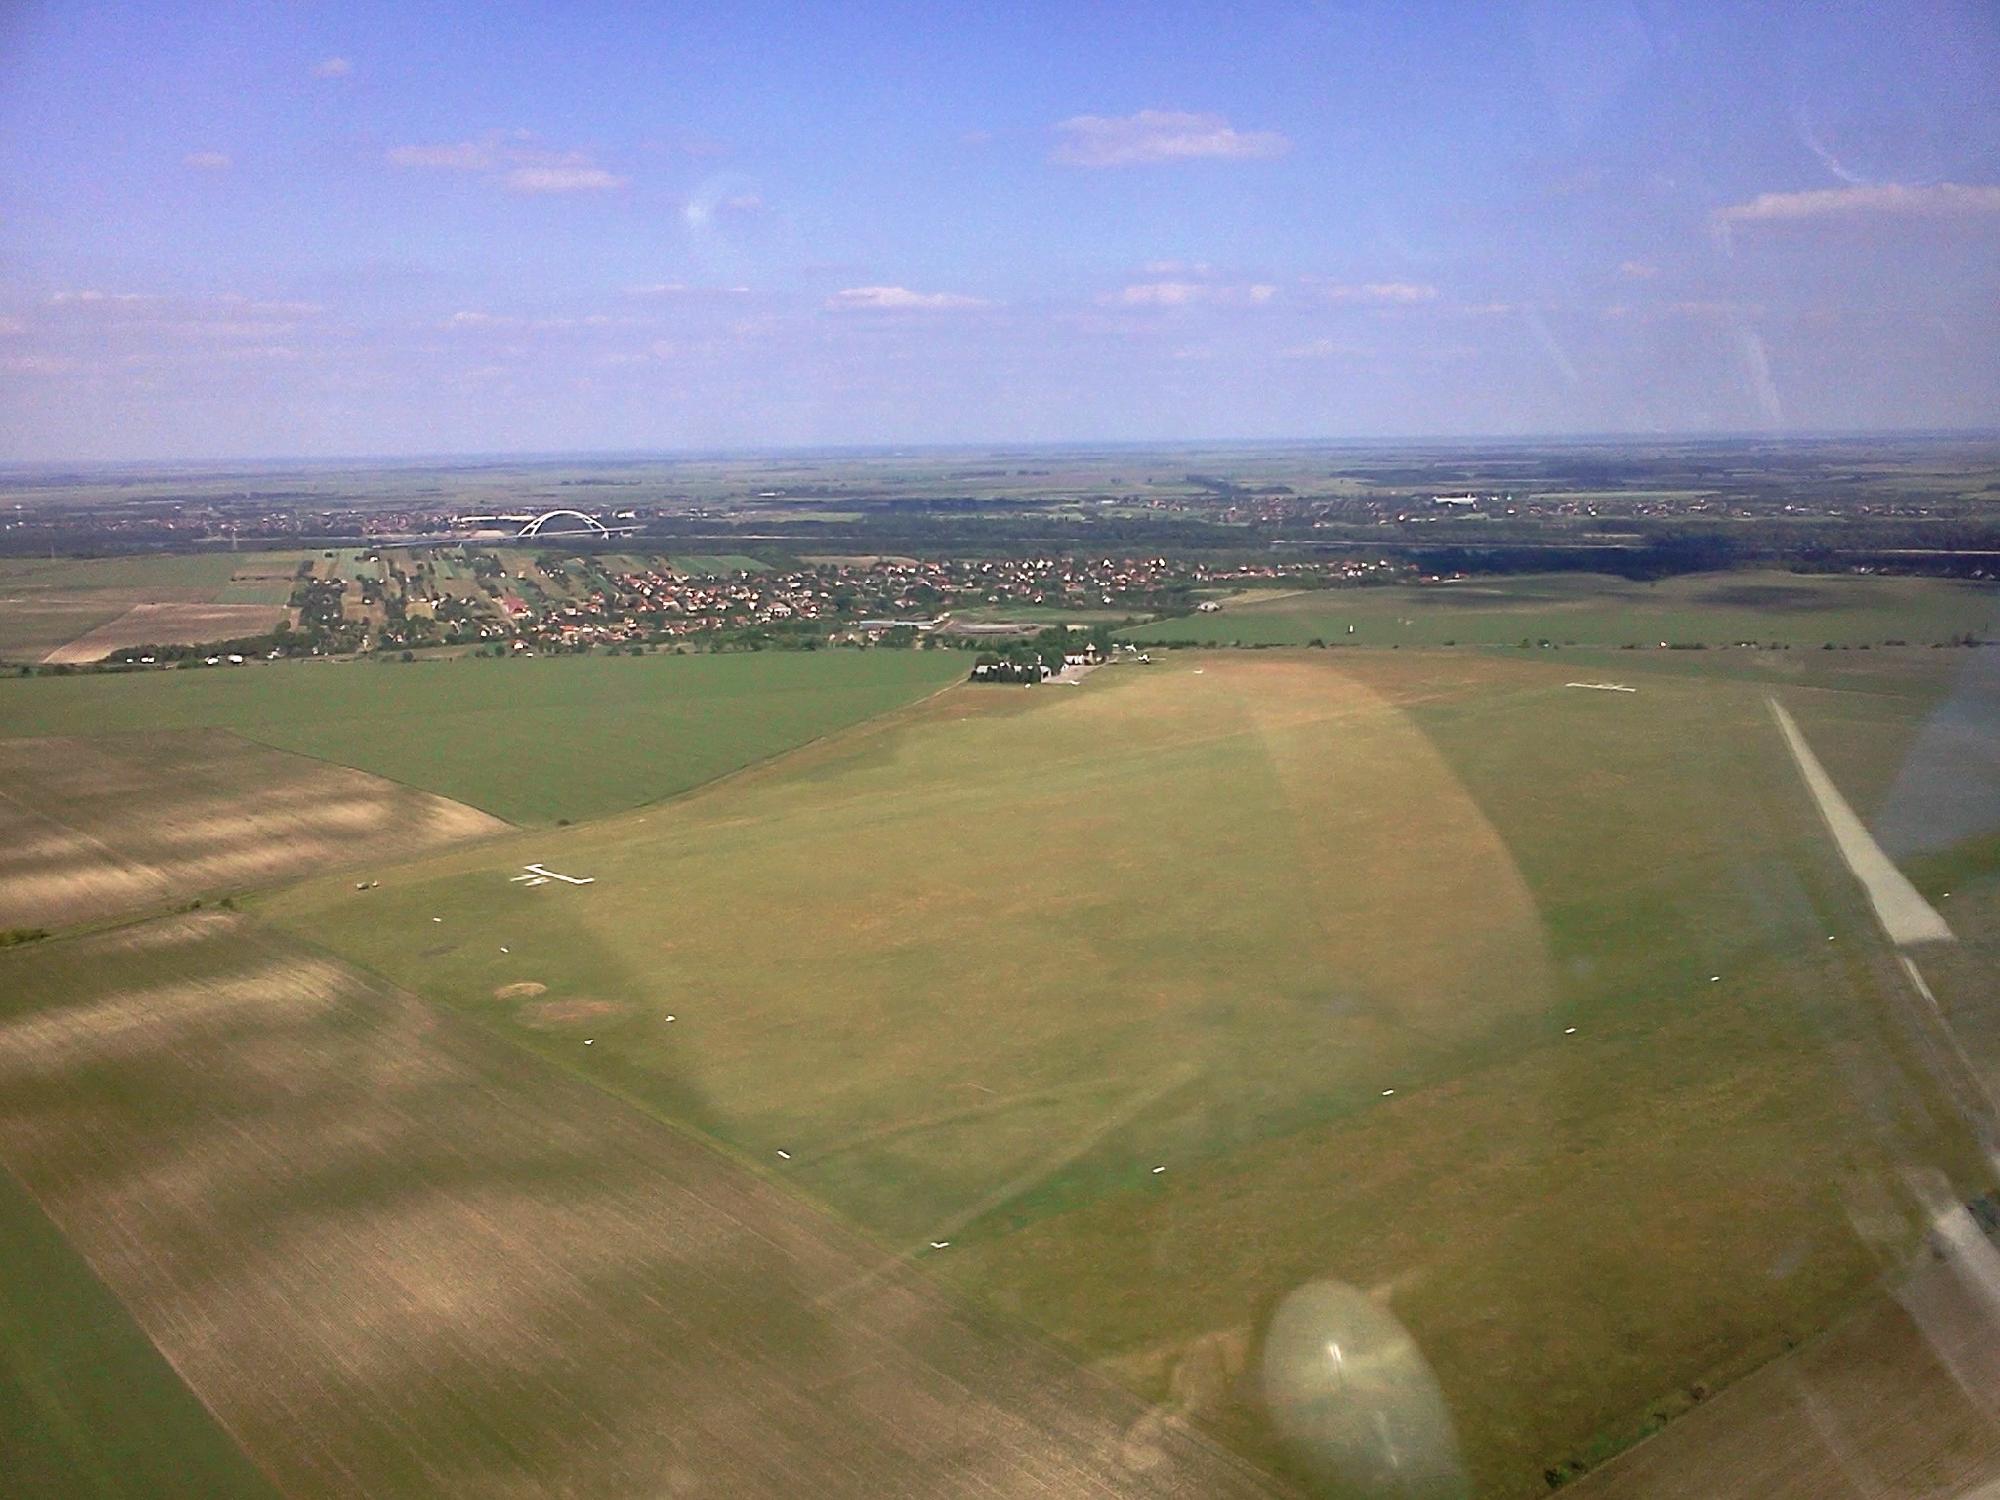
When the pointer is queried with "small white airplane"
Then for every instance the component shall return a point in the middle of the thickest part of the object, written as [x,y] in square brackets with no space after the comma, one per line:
[538,876]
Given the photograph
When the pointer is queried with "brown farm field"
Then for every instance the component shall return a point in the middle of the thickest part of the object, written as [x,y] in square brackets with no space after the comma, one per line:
[92,827]
[394,1256]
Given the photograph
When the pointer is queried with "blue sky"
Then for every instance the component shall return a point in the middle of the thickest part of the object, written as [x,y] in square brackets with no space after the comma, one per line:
[301,229]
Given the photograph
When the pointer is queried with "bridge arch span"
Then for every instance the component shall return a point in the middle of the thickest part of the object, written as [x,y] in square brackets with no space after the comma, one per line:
[591,525]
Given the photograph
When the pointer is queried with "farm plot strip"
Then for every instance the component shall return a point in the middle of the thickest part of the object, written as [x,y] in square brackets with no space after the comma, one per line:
[395,1255]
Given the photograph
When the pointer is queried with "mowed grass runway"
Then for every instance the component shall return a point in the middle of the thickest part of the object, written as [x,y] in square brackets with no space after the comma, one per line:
[1309,933]
[1713,609]
[527,741]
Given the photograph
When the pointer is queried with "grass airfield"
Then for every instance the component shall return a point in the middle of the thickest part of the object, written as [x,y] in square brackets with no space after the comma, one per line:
[1111,1012]
[1308,932]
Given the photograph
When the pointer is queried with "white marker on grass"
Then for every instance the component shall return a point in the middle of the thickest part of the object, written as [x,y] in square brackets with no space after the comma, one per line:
[939,1244]
[1569,1031]
[1387,1092]
[1158,1170]
[786,1155]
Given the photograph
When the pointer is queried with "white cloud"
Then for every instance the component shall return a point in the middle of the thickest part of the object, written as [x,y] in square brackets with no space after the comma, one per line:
[1155,294]
[267,308]
[12,327]
[1638,270]
[721,199]
[897,299]
[1381,293]
[682,289]
[38,364]
[1877,200]
[1177,268]
[283,353]
[1698,310]
[514,161]
[1322,349]
[562,180]
[462,156]
[1153,136]
[207,161]
[1189,294]
[229,315]
[332,67]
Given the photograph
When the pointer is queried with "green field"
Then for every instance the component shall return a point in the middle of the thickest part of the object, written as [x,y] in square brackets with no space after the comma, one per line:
[1713,609]
[1040,614]
[265,592]
[529,741]
[1308,933]
[715,562]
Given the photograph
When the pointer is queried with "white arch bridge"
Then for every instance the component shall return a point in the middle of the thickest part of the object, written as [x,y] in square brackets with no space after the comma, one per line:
[539,525]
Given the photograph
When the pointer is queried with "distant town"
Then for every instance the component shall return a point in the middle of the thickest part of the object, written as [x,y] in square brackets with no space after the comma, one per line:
[368,599]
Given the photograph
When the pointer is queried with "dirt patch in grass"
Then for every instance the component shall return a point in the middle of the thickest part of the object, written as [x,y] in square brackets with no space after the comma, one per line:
[520,990]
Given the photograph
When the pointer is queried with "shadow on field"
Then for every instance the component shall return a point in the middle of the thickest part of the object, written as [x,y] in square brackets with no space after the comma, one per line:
[395,1256]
